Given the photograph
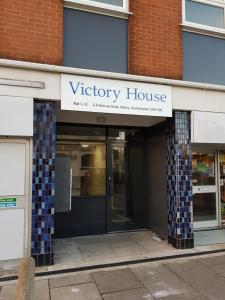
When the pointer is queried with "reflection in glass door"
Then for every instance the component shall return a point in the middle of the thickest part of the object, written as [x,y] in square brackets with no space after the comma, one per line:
[204,181]
[80,198]
[119,184]
[126,177]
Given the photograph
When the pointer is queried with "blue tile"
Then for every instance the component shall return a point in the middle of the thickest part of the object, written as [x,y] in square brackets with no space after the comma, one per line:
[179,180]
[43,186]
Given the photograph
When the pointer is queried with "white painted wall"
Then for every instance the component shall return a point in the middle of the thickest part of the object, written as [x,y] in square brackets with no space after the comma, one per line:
[198,99]
[51,81]
[184,98]
[16,116]
[15,182]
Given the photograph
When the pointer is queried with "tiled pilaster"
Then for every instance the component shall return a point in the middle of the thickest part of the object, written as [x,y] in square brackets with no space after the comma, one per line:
[43,182]
[179,181]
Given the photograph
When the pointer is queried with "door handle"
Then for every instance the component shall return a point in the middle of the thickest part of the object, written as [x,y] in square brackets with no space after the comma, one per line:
[110,186]
[206,189]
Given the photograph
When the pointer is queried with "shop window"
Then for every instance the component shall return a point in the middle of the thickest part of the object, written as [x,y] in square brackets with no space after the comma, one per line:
[203,168]
[207,13]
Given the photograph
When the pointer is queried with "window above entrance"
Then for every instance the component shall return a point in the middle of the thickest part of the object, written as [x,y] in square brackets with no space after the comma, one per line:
[117,8]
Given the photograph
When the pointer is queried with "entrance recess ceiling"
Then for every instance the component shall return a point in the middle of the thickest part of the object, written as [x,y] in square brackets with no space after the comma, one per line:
[105,119]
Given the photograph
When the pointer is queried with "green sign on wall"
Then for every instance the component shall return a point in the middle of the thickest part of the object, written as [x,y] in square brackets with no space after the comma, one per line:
[7,202]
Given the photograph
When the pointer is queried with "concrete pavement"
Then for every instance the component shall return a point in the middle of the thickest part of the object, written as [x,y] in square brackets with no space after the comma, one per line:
[190,279]
[120,247]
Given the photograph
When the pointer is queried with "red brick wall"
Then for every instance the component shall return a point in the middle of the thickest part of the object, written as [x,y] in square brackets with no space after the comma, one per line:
[155,38]
[31,30]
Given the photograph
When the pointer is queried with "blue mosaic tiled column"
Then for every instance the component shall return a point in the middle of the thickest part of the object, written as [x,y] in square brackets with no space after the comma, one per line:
[43,182]
[179,181]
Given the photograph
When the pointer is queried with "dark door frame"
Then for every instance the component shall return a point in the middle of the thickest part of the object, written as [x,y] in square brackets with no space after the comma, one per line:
[109,184]
[109,189]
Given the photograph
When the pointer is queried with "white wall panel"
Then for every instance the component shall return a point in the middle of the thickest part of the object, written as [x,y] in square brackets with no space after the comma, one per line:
[207,127]
[11,234]
[51,81]
[16,116]
[13,168]
[186,98]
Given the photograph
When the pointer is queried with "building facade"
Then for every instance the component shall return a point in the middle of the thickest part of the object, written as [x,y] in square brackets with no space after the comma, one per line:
[112,118]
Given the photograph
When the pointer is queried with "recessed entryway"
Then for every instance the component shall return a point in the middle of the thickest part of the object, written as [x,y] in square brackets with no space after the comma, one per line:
[100,180]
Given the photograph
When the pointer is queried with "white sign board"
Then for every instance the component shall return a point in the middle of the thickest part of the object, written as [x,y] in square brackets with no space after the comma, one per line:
[11,234]
[16,116]
[207,127]
[89,94]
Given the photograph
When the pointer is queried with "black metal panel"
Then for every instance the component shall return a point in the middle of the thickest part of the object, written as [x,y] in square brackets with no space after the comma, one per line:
[127,205]
[157,180]
[87,217]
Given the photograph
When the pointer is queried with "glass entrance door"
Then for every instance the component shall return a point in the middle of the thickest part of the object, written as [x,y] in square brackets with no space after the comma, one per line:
[205,193]
[118,181]
[100,180]
[126,177]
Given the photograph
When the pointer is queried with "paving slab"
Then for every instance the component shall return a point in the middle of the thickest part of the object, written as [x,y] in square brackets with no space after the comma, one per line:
[41,291]
[108,248]
[68,258]
[189,296]
[141,234]
[160,281]
[66,248]
[137,294]
[87,291]
[219,269]
[89,240]
[209,237]
[151,244]
[8,292]
[70,280]
[96,251]
[116,280]
[214,260]
[202,278]
[191,270]
[131,250]
[120,241]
